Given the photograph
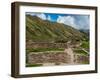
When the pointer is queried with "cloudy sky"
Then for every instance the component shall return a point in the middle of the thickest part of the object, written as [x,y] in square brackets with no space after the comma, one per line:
[76,21]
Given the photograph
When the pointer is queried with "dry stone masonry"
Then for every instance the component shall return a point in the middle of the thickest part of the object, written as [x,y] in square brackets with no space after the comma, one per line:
[56,57]
[46,45]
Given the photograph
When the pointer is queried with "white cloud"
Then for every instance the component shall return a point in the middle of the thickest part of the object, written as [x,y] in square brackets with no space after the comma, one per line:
[68,20]
[81,22]
[49,18]
[40,15]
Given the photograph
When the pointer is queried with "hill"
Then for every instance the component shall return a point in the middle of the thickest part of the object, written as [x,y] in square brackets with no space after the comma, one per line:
[38,30]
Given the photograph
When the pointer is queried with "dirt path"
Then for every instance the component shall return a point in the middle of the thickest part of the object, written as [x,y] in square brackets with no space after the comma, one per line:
[69,51]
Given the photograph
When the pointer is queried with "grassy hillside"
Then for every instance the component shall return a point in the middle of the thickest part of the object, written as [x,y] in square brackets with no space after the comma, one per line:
[39,30]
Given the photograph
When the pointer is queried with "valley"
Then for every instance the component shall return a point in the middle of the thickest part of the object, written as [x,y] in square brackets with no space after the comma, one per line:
[51,43]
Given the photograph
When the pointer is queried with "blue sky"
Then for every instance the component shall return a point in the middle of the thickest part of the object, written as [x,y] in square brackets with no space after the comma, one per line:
[76,21]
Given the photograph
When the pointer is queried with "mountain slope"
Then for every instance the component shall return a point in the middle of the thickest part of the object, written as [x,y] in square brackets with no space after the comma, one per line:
[39,30]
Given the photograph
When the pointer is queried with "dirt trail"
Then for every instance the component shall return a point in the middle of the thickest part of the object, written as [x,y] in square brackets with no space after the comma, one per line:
[69,51]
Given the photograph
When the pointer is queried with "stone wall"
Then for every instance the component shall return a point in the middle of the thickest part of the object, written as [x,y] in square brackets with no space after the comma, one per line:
[46,45]
[56,57]
[79,58]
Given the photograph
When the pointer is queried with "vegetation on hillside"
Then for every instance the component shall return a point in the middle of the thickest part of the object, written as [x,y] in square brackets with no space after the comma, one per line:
[39,30]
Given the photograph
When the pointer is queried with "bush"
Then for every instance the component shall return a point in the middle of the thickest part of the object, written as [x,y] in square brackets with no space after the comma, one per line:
[85,44]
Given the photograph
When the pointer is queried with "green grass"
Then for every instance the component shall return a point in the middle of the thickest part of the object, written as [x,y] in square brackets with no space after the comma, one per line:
[79,51]
[43,49]
[85,62]
[39,30]
[33,65]
[85,44]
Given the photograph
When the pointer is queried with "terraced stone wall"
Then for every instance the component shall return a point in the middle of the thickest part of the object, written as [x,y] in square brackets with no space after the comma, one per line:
[56,57]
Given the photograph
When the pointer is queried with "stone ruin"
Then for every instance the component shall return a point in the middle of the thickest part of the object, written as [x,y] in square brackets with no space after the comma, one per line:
[56,57]
[46,45]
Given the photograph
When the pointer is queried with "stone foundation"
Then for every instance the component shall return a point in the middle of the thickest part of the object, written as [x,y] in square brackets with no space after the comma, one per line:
[55,57]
